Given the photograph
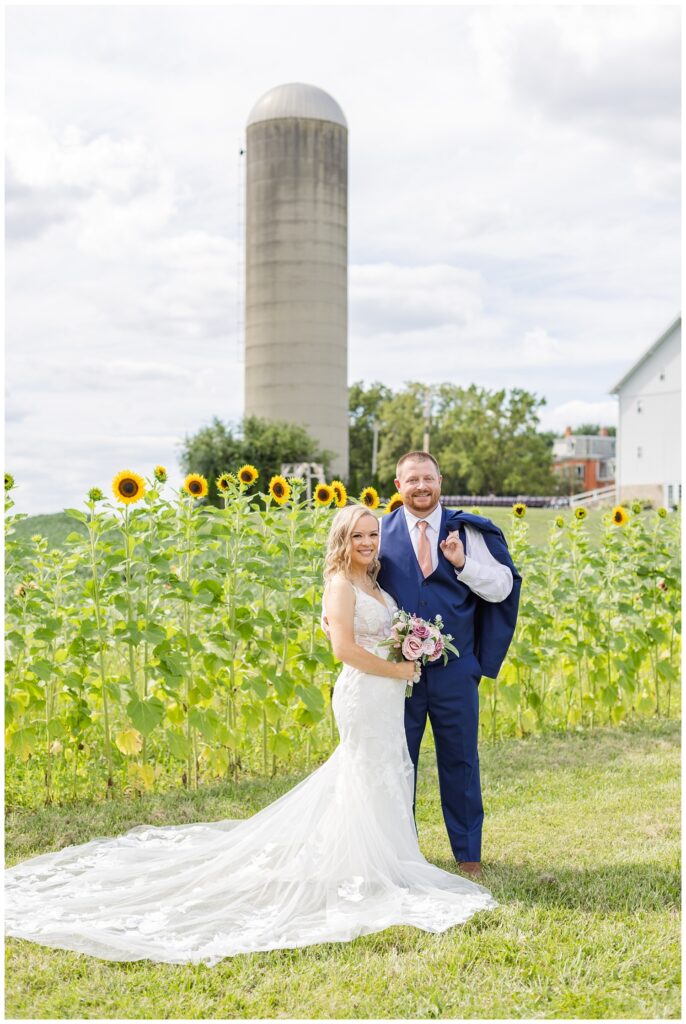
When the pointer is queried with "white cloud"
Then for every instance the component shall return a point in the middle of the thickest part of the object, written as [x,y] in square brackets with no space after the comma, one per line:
[571,414]
[514,209]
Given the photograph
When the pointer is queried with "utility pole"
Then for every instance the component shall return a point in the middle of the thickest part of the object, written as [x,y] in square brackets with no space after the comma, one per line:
[428,401]
[375,448]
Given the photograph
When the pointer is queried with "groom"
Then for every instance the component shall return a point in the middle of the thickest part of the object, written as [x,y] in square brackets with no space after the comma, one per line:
[435,561]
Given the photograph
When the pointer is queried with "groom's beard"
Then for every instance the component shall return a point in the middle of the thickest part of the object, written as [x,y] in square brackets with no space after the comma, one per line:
[424,508]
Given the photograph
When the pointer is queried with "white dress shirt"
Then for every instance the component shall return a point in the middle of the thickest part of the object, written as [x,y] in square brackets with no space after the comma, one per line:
[481,572]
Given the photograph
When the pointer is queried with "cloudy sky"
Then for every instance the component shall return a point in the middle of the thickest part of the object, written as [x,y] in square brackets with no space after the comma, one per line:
[513,210]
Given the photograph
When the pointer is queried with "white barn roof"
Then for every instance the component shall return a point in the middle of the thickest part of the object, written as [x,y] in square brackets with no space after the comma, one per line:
[646,355]
[297,100]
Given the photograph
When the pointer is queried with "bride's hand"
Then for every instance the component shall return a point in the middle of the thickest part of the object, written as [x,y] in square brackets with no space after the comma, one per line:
[407,671]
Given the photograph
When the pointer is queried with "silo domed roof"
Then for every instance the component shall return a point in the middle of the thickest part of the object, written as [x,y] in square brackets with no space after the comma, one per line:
[297,100]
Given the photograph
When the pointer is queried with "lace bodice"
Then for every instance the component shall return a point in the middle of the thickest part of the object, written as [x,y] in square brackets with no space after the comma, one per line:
[371,620]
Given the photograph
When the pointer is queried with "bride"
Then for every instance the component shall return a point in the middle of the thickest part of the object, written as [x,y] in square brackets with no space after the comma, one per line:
[334,858]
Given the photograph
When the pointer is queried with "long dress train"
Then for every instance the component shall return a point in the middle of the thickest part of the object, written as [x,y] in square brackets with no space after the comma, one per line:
[335,857]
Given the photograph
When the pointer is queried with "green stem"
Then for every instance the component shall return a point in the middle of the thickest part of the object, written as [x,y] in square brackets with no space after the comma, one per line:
[132,659]
[655,657]
[230,592]
[671,657]
[145,665]
[101,655]
[190,731]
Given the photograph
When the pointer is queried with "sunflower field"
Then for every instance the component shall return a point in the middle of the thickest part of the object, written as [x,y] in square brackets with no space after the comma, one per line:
[172,642]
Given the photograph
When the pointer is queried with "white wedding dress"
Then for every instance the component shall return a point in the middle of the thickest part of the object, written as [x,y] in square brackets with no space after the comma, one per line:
[334,858]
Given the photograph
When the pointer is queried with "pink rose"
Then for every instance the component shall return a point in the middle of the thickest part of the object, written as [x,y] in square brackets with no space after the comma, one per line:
[413,648]
[438,651]
[420,630]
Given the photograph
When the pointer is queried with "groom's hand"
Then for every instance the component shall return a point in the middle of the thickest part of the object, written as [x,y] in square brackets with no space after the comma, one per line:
[453,549]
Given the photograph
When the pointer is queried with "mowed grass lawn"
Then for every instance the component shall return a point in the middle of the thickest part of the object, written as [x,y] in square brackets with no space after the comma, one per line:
[581,850]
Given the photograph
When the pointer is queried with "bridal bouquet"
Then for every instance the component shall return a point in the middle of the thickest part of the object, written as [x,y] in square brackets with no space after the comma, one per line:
[418,640]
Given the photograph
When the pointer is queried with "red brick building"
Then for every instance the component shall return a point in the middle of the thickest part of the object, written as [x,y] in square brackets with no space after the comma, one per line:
[585,461]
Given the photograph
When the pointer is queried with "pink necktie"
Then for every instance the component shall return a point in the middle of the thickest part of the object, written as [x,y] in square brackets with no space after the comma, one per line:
[424,549]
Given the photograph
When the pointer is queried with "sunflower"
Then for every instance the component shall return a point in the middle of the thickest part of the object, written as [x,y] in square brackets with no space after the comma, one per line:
[323,495]
[340,495]
[519,510]
[369,497]
[619,515]
[195,485]
[247,474]
[160,474]
[224,482]
[636,508]
[662,512]
[580,513]
[128,487]
[559,522]
[395,501]
[9,481]
[95,494]
[280,489]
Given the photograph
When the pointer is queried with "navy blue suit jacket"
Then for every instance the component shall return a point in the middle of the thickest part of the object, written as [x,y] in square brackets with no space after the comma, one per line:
[494,622]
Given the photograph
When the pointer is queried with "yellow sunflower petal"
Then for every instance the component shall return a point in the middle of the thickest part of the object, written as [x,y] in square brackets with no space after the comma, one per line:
[224,481]
[323,495]
[128,487]
[619,515]
[340,494]
[369,497]
[394,502]
[195,485]
[280,489]
[247,474]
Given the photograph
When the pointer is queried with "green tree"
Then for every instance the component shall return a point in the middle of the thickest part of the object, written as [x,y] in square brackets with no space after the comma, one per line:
[489,441]
[266,444]
[364,404]
[211,451]
[594,429]
[401,430]
[484,441]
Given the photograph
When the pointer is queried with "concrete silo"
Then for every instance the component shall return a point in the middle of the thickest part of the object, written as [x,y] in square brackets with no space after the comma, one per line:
[296,265]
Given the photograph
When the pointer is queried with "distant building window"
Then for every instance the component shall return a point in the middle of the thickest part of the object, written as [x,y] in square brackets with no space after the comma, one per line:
[579,469]
[639,452]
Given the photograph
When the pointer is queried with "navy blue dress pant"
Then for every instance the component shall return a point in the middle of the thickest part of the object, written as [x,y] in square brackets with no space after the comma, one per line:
[449,695]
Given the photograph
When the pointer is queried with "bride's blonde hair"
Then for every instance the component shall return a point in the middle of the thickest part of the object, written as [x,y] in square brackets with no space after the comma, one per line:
[339,546]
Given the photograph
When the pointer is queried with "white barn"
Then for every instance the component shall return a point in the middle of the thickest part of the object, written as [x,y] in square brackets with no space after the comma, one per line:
[649,426]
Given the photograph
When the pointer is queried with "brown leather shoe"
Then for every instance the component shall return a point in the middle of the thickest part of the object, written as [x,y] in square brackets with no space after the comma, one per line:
[471,868]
